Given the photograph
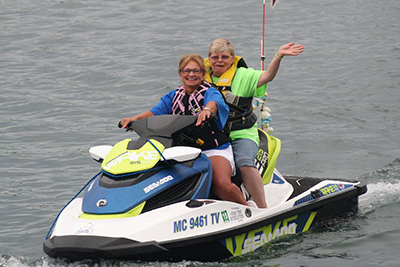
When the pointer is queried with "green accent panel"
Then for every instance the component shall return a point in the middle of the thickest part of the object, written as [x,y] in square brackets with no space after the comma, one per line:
[309,221]
[274,148]
[132,213]
[120,160]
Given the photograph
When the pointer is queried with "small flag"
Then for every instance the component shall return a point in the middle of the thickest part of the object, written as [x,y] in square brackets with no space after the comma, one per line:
[273,4]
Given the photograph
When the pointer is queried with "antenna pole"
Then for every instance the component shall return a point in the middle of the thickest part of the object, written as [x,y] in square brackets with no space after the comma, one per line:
[263,38]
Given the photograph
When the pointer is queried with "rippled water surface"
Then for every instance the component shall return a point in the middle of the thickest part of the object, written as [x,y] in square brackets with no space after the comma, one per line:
[70,70]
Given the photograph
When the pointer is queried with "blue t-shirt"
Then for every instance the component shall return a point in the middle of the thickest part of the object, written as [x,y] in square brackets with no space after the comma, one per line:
[164,107]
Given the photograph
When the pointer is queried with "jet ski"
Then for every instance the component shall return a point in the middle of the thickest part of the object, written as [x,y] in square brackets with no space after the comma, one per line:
[152,201]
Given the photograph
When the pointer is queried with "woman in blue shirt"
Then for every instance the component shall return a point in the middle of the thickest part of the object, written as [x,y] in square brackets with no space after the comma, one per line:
[197,97]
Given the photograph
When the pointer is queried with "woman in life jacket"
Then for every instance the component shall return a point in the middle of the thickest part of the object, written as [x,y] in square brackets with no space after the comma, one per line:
[240,84]
[197,97]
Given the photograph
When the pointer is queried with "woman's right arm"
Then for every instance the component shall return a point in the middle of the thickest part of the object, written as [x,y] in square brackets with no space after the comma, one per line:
[126,121]
[163,107]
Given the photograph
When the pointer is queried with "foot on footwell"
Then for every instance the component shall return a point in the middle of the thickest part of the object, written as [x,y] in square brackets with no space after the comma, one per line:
[253,204]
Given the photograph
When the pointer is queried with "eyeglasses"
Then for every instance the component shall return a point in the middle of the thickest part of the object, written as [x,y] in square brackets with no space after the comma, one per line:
[223,57]
[187,71]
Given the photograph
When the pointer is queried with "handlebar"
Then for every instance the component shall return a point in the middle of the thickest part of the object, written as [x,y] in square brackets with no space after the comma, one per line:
[128,128]
[163,125]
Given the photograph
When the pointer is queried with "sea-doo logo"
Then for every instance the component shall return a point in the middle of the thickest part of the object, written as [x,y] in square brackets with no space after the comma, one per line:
[262,237]
[261,160]
[250,241]
[164,180]
[133,157]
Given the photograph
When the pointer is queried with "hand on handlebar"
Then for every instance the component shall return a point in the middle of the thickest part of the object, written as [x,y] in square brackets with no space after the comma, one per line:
[204,115]
[126,123]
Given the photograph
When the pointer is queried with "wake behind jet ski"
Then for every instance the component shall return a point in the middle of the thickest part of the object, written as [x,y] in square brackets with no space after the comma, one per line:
[152,201]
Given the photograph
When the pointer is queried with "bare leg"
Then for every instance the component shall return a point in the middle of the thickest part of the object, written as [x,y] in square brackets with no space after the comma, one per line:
[253,182]
[221,182]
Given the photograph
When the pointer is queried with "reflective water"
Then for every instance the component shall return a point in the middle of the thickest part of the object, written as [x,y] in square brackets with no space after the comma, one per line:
[70,70]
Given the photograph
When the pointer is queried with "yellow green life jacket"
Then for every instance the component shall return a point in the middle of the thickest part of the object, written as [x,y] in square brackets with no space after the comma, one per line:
[241,114]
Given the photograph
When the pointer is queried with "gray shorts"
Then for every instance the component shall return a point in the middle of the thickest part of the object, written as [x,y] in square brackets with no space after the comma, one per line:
[244,151]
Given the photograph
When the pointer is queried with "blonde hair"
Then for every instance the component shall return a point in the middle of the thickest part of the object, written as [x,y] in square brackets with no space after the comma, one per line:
[192,57]
[220,45]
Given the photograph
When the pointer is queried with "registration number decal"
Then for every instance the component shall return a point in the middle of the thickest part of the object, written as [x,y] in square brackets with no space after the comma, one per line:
[200,221]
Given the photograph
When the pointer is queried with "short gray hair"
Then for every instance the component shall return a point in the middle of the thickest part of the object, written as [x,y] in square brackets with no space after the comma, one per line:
[220,45]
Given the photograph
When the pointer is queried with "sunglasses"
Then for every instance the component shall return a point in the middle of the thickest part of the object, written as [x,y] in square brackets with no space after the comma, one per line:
[223,57]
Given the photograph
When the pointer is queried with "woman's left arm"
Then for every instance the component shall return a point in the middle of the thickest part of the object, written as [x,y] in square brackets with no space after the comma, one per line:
[214,104]
[286,50]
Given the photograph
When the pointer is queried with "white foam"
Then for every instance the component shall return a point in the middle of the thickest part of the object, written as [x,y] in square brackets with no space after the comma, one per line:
[379,194]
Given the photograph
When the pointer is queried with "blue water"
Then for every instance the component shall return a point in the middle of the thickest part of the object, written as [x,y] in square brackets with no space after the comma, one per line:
[70,70]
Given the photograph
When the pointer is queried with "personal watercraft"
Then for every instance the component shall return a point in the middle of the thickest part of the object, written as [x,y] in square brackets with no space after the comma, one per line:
[152,200]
